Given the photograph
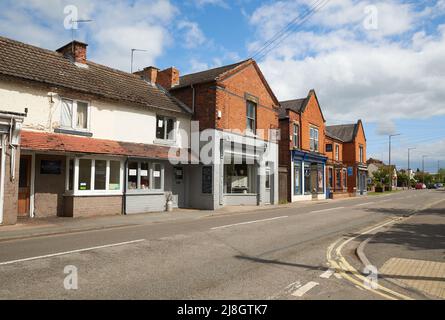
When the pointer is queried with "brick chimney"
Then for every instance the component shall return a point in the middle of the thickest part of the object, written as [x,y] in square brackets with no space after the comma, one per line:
[168,78]
[77,51]
[149,74]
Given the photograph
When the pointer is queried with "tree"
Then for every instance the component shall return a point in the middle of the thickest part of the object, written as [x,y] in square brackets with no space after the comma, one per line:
[381,177]
[402,179]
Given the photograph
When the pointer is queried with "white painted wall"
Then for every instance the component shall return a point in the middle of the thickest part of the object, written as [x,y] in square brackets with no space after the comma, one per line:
[110,121]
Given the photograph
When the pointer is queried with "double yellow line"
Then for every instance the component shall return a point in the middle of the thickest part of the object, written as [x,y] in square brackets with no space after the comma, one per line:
[348,272]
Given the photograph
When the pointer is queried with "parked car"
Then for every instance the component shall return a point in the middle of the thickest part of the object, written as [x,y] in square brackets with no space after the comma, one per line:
[438,186]
[420,186]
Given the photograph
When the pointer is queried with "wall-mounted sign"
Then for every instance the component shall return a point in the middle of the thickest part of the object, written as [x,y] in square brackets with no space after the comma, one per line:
[350,171]
[144,173]
[50,167]
[207,180]
[156,174]
[132,172]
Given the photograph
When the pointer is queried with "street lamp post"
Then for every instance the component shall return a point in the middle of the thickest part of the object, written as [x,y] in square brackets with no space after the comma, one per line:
[389,168]
[409,167]
[423,168]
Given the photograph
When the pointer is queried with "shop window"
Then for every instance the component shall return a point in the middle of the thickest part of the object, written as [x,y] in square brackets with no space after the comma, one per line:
[95,176]
[338,178]
[74,114]
[240,178]
[100,175]
[85,174]
[307,179]
[297,178]
[145,176]
[165,128]
[157,176]
[331,177]
[71,174]
[115,175]
[251,116]
[132,175]
[320,179]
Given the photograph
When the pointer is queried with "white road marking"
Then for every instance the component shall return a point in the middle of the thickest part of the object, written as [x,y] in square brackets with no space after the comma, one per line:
[308,286]
[248,222]
[327,274]
[325,210]
[69,252]
[363,204]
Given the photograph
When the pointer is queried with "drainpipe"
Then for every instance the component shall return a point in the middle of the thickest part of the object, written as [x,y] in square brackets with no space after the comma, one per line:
[2,177]
[124,199]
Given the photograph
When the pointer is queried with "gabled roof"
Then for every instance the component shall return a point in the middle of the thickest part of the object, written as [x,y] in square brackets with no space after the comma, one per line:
[298,105]
[221,73]
[344,132]
[206,76]
[31,63]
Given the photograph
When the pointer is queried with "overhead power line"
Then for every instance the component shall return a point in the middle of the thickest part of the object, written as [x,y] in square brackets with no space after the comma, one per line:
[292,26]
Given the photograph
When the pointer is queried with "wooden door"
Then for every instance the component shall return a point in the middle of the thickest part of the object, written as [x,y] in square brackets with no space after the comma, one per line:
[24,186]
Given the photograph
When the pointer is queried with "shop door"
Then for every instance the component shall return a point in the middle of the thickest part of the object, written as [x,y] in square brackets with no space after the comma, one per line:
[24,186]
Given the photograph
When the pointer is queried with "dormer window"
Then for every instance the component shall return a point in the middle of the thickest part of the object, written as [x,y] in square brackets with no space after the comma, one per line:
[75,115]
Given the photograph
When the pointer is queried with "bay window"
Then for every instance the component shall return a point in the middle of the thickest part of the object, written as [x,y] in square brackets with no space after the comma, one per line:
[144,176]
[87,176]
[74,115]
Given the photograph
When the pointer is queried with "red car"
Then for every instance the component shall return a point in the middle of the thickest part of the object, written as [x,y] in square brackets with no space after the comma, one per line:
[420,186]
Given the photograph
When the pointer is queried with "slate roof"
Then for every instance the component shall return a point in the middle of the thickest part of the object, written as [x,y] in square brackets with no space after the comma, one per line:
[205,76]
[296,105]
[54,142]
[343,132]
[36,64]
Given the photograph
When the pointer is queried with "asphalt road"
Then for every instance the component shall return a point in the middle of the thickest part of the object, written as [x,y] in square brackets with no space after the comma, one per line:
[269,254]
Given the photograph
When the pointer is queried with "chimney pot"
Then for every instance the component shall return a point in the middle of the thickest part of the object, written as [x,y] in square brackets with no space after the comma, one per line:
[149,74]
[75,50]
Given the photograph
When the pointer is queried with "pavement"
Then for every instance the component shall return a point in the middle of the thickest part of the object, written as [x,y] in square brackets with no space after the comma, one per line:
[304,251]
[411,253]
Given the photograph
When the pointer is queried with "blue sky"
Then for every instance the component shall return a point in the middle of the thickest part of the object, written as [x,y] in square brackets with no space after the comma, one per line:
[380,61]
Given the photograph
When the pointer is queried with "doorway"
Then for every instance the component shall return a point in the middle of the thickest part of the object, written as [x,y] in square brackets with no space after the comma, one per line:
[178,185]
[24,186]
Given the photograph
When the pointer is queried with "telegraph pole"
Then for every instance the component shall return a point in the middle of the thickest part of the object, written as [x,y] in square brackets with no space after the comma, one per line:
[423,169]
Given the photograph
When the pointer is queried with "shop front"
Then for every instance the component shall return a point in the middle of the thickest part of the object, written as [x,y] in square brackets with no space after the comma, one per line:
[308,176]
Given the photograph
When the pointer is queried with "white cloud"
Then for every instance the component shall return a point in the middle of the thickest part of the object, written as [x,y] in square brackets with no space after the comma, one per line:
[219,3]
[194,37]
[357,74]
[118,27]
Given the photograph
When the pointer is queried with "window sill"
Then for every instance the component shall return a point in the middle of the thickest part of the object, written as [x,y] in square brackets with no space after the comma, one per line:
[165,142]
[93,194]
[74,132]
[145,192]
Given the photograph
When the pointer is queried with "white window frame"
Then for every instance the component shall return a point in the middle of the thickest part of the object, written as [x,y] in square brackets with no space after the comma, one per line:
[74,115]
[175,129]
[107,191]
[254,119]
[296,135]
[314,141]
[361,153]
[337,152]
[151,169]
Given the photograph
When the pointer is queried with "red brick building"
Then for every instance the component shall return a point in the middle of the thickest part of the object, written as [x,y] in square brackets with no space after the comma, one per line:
[302,144]
[354,154]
